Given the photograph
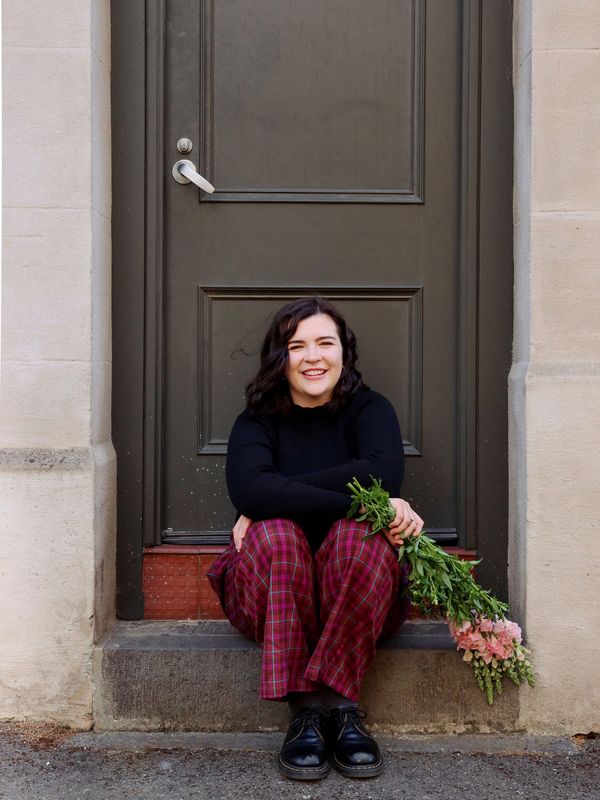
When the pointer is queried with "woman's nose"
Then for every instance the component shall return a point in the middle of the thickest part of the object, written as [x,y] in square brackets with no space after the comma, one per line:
[312,353]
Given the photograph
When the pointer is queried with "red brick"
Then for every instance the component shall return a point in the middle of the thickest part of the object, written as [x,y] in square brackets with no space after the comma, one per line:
[171,586]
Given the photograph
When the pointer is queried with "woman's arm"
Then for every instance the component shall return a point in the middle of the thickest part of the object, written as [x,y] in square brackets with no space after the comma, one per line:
[380,453]
[259,491]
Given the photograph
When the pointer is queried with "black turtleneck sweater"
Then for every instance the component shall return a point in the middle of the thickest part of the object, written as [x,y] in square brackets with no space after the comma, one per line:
[297,466]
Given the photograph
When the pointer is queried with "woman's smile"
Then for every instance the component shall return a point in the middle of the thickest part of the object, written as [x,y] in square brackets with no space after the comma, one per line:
[314,373]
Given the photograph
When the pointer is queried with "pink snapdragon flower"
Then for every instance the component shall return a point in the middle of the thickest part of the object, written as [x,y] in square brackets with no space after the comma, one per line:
[487,639]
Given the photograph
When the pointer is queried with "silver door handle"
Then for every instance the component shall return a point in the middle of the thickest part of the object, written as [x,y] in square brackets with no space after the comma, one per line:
[184,171]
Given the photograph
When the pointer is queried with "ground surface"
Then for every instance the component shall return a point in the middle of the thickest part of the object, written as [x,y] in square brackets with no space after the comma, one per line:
[40,762]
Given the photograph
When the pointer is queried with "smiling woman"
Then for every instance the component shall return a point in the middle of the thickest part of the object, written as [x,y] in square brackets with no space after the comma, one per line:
[298,576]
[315,361]
[292,338]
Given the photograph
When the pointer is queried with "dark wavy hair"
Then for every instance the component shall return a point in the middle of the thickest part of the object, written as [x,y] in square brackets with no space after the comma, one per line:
[268,392]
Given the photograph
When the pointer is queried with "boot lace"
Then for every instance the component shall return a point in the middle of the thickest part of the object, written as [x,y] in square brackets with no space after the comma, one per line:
[349,716]
[307,716]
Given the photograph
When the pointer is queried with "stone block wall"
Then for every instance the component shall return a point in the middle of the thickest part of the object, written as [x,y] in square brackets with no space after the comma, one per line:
[555,380]
[57,463]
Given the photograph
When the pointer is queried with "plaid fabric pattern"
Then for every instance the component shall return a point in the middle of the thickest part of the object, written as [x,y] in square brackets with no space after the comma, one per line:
[318,619]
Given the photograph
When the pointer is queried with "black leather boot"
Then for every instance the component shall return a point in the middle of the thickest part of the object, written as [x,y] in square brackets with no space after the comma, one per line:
[304,754]
[354,752]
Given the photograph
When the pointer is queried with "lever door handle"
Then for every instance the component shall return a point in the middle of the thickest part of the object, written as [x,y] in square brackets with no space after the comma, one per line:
[184,171]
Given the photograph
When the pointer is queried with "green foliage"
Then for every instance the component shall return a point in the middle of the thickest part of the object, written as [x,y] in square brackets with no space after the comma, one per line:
[489,676]
[371,504]
[440,583]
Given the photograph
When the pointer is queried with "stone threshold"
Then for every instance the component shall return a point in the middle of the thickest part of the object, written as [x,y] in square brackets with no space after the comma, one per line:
[192,635]
[188,675]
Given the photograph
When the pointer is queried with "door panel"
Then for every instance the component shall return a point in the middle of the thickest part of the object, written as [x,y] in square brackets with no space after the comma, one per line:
[332,133]
[312,98]
[230,341]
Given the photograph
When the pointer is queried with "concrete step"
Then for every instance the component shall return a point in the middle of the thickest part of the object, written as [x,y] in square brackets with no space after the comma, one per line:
[204,676]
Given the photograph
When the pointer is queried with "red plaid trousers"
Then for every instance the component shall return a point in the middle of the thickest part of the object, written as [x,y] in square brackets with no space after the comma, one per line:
[318,618]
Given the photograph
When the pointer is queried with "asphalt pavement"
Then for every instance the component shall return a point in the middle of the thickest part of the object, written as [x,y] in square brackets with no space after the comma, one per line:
[42,762]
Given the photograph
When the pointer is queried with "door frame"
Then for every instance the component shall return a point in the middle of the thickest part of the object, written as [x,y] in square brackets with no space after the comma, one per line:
[485,284]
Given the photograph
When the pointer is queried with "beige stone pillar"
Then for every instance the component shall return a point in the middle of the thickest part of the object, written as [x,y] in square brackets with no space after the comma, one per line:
[554,554]
[57,463]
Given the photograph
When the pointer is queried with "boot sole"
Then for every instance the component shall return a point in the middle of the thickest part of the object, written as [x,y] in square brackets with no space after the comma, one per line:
[303,773]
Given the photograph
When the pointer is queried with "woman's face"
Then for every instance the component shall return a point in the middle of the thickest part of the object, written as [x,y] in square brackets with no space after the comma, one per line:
[315,360]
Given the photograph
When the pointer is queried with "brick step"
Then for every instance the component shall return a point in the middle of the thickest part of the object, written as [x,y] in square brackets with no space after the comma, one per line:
[175,585]
[204,676]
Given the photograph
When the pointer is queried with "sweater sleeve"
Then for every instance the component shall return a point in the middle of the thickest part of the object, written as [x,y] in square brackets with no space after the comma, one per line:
[258,490]
[380,452]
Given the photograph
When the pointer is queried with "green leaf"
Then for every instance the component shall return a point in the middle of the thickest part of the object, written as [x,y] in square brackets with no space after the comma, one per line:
[446,580]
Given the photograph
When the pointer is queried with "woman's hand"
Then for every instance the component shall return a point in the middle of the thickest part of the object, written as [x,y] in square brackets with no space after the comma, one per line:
[406,523]
[239,531]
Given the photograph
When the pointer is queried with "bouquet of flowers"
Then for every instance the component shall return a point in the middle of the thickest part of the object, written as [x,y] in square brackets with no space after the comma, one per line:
[440,583]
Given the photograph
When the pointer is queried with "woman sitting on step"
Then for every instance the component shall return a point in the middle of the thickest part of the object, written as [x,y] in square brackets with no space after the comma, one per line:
[298,576]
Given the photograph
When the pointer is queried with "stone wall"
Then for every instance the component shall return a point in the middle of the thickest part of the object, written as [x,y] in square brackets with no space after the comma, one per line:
[555,379]
[57,463]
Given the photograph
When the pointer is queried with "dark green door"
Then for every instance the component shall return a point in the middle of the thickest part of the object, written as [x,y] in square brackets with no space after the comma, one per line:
[332,133]
[359,148]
